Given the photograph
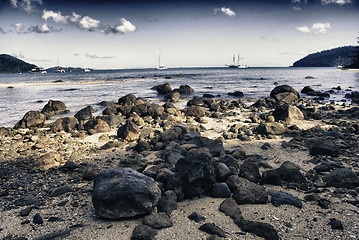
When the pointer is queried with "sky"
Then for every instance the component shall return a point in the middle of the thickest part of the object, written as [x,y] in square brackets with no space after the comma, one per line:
[111,34]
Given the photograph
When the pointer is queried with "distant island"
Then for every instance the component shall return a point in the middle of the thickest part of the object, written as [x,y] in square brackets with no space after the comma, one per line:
[341,56]
[10,64]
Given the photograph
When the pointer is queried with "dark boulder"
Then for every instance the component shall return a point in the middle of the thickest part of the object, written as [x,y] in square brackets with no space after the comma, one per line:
[173,96]
[31,119]
[129,132]
[280,198]
[236,94]
[67,124]
[172,134]
[53,107]
[323,147]
[250,193]
[260,229]
[163,88]
[250,170]
[213,229]
[220,190]
[195,111]
[234,182]
[127,100]
[196,101]
[84,114]
[307,89]
[168,202]
[195,175]
[142,146]
[158,220]
[97,125]
[222,172]
[287,113]
[143,232]
[283,89]
[185,89]
[342,178]
[122,193]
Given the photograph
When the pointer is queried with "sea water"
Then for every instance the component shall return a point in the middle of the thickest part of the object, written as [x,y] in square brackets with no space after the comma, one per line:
[20,93]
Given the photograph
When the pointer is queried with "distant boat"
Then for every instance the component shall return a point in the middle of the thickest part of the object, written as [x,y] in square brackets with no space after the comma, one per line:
[38,70]
[87,70]
[235,64]
[160,67]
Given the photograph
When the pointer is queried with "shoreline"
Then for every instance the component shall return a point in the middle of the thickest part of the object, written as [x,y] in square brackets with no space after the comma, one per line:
[38,160]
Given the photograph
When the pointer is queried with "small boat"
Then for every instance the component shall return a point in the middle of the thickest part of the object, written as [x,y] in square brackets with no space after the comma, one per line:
[160,67]
[38,70]
[236,65]
[87,70]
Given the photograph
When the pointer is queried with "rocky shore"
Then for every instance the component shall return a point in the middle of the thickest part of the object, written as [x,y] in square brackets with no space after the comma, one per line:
[279,168]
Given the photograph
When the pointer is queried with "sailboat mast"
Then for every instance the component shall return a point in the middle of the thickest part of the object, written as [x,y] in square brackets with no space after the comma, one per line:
[234,58]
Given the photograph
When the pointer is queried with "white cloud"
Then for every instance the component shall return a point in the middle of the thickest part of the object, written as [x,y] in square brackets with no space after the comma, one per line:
[228,11]
[42,29]
[304,29]
[55,16]
[340,2]
[88,23]
[126,26]
[317,28]
[225,10]
[320,28]
[26,5]
[19,28]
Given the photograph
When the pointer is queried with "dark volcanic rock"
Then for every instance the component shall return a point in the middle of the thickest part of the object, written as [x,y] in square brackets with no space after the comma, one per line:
[84,114]
[194,176]
[213,229]
[236,94]
[172,96]
[195,111]
[260,229]
[342,178]
[61,190]
[53,107]
[287,113]
[122,193]
[168,202]
[220,190]
[287,172]
[142,146]
[163,88]
[286,89]
[31,119]
[323,147]
[250,170]
[67,124]
[280,198]
[172,134]
[196,217]
[96,126]
[185,89]
[222,172]
[143,232]
[335,224]
[231,209]
[158,220]
[129,99]
[129,132]
[250,193]
[37,219]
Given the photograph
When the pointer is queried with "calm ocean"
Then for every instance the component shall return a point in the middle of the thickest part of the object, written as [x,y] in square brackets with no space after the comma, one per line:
[78,90]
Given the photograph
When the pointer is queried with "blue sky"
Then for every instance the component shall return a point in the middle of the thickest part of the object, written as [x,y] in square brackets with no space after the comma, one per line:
[128,34]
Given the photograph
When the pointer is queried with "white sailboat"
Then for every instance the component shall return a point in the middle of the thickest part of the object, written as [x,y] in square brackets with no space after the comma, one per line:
[236,65]
[160,67]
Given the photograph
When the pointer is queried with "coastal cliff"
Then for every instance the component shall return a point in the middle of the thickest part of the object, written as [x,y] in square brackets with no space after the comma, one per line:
[10,64]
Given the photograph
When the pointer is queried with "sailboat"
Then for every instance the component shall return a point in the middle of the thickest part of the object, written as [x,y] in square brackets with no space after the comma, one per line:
[160,67]
[236,65]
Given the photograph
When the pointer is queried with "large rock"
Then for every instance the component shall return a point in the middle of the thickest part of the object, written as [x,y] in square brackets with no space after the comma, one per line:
[287,113]
[250,170]
[67,124]
[84,114]
[53,107]
[185,89]
[250,193]
[129,132]
[147,109]
[123,193]
[158,220]
[323,147]
[172,96]
[129,99]
[31,119]
[97,126]
[195,111]
[277,92]
[195,175]
[163,88]
[280,198]
[342,178]
[172,134]
[271,128]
